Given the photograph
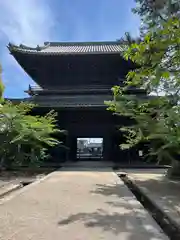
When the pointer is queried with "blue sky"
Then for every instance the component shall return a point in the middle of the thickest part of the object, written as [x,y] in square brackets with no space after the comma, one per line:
[33,22]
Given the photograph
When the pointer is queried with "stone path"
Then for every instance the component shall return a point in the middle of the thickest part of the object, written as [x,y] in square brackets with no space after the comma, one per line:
[76,205]
[164,193]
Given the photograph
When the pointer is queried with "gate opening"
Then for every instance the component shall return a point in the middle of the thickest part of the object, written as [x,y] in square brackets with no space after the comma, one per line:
[89,148]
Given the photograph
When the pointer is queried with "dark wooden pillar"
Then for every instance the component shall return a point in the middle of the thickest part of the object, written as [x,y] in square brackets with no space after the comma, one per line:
[119,155]
[107,147]
[72,144]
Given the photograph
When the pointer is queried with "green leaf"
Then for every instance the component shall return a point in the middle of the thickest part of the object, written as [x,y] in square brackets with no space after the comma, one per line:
[166,75]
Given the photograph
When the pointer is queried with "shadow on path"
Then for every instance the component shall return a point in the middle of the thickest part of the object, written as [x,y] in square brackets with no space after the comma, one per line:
[118,217]
[114,222]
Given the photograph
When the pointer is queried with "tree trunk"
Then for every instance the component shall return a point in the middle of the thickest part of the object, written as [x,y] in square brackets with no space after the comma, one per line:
[2,165]
[174,171]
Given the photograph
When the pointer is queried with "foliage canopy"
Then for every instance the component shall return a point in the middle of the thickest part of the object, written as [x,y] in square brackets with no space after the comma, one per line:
[155,116]
[25,138]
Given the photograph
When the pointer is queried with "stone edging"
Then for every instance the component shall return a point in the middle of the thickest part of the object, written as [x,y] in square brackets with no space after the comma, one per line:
[23,189]
[160,209]
[138,208]
[7,190]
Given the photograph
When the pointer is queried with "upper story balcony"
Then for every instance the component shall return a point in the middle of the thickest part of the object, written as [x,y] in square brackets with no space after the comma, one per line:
[64,90]
[79,90]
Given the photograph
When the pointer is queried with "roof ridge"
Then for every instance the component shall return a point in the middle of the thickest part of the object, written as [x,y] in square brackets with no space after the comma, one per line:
[82,43]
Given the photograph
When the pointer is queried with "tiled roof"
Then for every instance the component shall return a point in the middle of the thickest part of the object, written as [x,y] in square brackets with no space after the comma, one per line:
[70,48]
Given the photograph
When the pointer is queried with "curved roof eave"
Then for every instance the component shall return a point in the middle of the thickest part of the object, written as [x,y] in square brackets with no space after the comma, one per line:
[69,48]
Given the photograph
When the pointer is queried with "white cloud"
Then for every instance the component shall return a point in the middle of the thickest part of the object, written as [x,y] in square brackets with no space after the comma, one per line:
[29,22]
[25,21]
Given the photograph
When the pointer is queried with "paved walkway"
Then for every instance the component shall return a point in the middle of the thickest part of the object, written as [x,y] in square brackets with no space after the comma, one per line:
[76,205]
[160,190]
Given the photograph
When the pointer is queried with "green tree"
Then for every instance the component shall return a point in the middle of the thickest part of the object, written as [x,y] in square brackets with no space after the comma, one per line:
[153,12]
[24,138]
[155,118]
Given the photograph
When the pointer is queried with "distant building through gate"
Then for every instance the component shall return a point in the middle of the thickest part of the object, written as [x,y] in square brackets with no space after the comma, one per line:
[89,148]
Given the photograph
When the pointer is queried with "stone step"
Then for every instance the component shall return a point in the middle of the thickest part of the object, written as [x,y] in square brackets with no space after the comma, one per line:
[89,164]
